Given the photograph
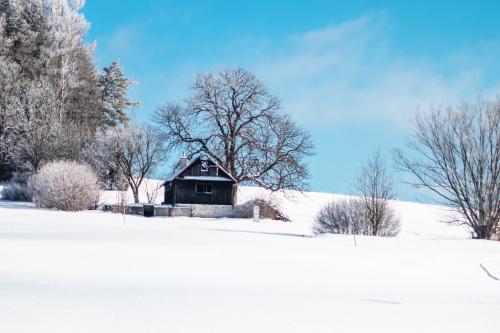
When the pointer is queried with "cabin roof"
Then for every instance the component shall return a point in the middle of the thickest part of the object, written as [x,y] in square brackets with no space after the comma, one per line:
[214,178]
[206,178]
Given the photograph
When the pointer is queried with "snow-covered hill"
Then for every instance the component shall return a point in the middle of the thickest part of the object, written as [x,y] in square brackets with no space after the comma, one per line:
[419,220]
[103,272]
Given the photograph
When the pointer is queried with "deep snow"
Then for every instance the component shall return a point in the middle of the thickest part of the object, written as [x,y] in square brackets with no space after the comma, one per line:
[102,272]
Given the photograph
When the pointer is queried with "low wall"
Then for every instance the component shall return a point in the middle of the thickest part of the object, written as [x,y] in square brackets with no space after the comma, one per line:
[211,211]
[181,211]
[163,211]
[208,211]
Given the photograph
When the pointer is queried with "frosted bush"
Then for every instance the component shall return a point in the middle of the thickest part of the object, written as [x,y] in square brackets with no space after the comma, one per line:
[342,217]
[354,216]
[65,185]
[267,210]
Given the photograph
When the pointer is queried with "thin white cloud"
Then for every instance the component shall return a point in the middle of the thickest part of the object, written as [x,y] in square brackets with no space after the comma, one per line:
[124,42]
[352,72]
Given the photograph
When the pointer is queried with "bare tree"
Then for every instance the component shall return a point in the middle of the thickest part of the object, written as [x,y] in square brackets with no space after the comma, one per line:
[139,151]
[375,187]
[102,156]
[152,189]
[456,155]
[232,118]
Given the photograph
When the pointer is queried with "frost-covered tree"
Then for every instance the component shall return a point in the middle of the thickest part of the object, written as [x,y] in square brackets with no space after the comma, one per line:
[8,116]
[50,97]
[27,35]
[70,65]
[103,157]
[40,136]
[113,91]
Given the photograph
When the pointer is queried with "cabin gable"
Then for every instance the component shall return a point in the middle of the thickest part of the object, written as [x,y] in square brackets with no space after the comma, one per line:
[202,181]
[204,168]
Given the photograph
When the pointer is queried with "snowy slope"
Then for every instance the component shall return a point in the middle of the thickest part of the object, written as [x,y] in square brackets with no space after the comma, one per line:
[418,220]
[102,272]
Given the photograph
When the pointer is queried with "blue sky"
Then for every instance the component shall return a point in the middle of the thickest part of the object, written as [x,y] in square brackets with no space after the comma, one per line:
[352,72]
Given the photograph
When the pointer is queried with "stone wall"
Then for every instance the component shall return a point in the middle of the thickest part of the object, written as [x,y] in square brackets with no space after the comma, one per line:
[213,211]
[208,211]
[163,211]
[181,211]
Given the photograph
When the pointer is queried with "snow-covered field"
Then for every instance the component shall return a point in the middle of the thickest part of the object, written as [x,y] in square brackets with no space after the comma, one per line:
[101,272]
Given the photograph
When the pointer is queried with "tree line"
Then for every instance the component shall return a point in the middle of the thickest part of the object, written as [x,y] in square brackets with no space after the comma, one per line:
[54,102]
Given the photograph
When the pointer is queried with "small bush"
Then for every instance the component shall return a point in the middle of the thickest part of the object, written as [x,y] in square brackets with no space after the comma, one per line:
[268,210]
[65,185]
[342,217]
[353,217]
[17,189]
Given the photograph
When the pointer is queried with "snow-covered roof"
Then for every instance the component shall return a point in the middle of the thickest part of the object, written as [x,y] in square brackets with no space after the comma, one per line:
[220,179]
[190,163]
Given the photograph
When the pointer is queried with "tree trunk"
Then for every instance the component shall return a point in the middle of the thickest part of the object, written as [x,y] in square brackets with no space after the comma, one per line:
[135,191]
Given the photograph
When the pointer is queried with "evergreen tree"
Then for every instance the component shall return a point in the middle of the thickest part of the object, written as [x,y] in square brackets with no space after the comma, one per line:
[113,87]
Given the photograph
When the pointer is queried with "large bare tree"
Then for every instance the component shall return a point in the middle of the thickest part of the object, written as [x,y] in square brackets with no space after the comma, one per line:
[231,117]
[455,153]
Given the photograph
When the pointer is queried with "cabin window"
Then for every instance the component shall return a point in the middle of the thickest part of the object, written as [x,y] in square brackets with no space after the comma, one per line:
[213,170]
[204,188]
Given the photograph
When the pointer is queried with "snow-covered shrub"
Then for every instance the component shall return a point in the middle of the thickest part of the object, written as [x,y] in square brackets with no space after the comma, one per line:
[65,185]
[268,210]
[385,218]
[17,189]
[352,216]
[342,217]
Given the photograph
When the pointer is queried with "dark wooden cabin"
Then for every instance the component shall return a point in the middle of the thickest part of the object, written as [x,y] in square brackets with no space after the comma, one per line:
[200,181]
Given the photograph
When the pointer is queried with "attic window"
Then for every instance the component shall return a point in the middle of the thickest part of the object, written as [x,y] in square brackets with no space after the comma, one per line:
[204,188]
[204,166]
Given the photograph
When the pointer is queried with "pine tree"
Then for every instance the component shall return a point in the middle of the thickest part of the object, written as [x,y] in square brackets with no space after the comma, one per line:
[113,85]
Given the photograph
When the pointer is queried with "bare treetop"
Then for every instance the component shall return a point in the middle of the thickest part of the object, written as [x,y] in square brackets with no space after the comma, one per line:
[458,158]
[231,117]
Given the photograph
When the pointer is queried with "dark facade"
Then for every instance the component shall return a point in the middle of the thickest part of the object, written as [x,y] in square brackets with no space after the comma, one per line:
[201,181]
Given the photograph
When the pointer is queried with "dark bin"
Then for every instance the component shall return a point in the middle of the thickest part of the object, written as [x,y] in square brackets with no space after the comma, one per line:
[149,210]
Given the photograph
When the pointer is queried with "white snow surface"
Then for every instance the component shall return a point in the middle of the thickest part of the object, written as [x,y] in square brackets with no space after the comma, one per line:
[101,272]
